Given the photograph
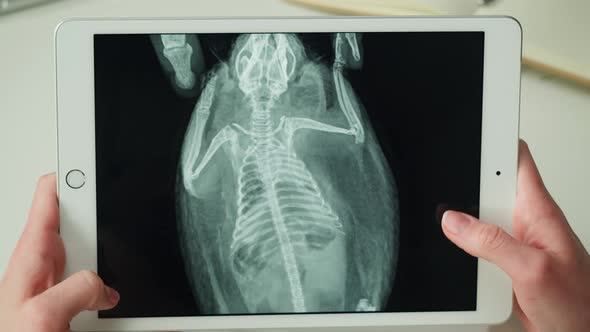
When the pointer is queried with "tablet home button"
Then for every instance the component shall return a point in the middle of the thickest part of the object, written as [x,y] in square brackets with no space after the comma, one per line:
[75,179]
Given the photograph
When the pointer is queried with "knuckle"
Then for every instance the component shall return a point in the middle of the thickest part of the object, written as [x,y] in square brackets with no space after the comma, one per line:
[41,259]
[491,237]
[93,283]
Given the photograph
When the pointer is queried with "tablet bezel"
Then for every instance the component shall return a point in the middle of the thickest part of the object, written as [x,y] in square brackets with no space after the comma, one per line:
[76,150]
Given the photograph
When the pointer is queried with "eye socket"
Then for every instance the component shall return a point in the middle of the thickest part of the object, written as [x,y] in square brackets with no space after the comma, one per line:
[242,64]
[255,73]
[248,72]
[291,62]
[275,71]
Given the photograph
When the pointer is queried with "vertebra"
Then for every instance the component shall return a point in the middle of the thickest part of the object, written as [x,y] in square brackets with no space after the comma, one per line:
[280,207]
[280,211]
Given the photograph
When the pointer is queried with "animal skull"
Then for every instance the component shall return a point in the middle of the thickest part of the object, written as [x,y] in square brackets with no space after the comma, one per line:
[264,65]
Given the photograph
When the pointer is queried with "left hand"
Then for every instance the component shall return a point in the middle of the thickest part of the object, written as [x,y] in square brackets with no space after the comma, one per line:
[32,298]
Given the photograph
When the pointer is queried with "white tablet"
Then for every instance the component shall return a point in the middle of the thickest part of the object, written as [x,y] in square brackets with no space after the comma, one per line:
[285,173]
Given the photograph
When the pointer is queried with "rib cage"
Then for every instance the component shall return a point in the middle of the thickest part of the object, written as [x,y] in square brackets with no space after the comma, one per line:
[276,193]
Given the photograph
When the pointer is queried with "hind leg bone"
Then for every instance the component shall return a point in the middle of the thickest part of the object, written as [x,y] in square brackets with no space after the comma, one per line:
[179,52]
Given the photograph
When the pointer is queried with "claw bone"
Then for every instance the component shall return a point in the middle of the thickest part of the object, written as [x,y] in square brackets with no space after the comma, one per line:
[353,43]
[365,305]
[352,40]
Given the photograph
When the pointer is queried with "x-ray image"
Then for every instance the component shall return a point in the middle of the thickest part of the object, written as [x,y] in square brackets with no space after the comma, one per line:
[286,201]
[181,58]
[286,173]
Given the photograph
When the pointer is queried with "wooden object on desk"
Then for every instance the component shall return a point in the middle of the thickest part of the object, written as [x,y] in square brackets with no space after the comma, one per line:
[555,36]
[370,7]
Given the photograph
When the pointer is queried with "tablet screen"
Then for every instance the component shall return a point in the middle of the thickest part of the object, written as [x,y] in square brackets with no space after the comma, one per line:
[286,173]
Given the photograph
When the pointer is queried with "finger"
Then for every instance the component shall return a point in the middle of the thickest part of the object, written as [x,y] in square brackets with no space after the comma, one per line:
[531,191]
[82,291]
[487,241]
[44,215]
[39,255]
[529,180]
[538,215]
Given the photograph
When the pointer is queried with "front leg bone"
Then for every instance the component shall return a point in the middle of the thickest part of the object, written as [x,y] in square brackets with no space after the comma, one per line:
[198,122]
[341,90]
[223,136]
[293,124]
[194,136]
[179,52]
[191,174]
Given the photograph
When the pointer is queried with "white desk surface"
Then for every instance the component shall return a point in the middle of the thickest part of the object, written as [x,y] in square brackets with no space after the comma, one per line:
[555,116]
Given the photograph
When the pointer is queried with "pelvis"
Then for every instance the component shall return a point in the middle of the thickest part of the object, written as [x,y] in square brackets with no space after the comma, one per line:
[281,207]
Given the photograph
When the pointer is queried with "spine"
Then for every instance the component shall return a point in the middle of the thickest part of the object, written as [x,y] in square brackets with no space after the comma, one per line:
[261,127]
[286,246]
[260,123]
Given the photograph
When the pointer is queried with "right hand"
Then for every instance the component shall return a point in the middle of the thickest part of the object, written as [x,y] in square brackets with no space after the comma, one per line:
[548,264]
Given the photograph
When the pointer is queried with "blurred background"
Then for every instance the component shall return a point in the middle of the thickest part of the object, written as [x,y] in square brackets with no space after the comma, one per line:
[555,102]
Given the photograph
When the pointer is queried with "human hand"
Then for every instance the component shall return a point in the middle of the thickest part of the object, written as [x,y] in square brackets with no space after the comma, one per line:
[549,267]
[32,298]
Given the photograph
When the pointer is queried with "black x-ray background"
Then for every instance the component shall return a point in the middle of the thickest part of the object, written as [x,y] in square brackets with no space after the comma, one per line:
[423,94]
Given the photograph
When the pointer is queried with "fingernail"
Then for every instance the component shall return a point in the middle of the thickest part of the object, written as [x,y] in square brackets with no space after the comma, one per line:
[455,222]
[112,295]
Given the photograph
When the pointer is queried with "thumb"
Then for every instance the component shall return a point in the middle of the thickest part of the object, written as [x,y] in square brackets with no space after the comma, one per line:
[486,241]
[81,291]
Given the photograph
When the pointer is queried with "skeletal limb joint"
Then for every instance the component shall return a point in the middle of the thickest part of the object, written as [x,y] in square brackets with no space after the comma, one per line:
[341,92]
[190,172]
[179,53]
